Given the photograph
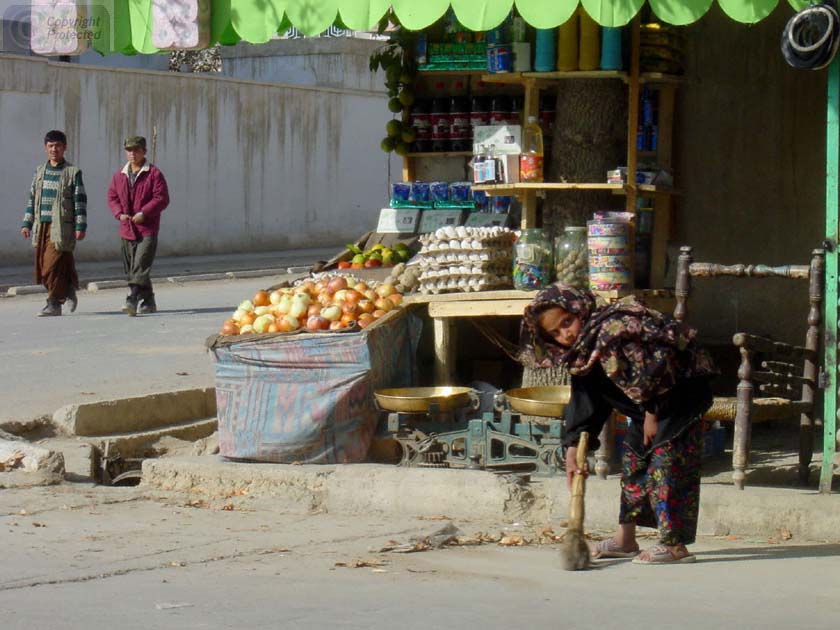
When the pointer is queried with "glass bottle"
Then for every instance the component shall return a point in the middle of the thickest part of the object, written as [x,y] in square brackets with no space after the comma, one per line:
[571,257]
[532,260]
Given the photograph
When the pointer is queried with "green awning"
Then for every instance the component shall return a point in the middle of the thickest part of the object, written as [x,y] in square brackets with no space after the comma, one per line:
[257,21]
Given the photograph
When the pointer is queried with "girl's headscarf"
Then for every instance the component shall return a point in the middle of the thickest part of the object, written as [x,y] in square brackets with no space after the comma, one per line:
[641,350]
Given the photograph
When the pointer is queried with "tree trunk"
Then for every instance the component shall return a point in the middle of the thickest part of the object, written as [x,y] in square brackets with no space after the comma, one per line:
[590,138]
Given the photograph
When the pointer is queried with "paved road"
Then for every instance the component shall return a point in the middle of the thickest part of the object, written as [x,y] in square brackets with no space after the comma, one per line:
[82,557]
[99,353]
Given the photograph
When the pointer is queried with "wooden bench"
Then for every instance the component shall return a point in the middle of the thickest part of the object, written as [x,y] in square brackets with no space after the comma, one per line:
[788,375]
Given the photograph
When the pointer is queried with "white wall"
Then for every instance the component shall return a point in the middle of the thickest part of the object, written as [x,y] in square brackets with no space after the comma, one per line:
[250,165]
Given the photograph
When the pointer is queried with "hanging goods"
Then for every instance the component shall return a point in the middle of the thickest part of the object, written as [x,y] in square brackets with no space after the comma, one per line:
[811,37]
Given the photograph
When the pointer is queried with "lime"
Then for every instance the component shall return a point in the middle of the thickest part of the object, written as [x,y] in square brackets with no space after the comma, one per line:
[375,256]
[394,105]
[402,148]
[409,135]
[406,78]
[393,127]
[359,259]
[388,144]
[407,97]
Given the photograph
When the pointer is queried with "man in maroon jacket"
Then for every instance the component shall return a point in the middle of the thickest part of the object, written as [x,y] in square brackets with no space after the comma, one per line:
[137,196]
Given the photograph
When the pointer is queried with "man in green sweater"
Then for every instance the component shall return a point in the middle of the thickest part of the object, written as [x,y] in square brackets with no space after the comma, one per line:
[55,218]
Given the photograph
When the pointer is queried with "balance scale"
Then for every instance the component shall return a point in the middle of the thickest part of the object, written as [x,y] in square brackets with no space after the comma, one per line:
[432,426]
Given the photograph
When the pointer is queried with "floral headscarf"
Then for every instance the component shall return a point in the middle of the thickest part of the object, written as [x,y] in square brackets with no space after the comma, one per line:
[641,350]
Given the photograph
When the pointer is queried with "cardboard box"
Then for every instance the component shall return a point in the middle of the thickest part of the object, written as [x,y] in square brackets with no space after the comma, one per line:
[487,219]
[510,168]
[430,220]
[398,220]
[506,138]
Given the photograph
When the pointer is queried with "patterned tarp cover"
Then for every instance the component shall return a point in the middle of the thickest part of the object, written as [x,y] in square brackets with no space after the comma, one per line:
[308,398]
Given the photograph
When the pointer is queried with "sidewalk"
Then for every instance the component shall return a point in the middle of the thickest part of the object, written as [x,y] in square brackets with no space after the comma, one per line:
[18,278]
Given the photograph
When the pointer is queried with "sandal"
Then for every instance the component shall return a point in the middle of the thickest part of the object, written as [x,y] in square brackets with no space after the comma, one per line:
[610,549]
[660,554]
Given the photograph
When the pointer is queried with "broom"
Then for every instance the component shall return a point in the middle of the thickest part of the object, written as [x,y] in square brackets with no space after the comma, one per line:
[576,551]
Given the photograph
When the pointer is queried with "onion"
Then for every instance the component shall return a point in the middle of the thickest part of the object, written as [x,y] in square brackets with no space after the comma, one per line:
[384,305]
[298,308]
[275,297]
[284,305]
[262,323]
[340,295]
[246,329]
[331,313]
[229,328]
[366,306]
[237,315]
[262,298]
[246,306]
[336,284]
[247,319]
[261,310]
[316,322]
[396,298]
[303,297]
[384,290]
[289,323]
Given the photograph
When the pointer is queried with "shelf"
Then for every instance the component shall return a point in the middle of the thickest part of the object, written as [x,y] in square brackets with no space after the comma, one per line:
[440,154]
[450,73]
[513,189]
[515,78]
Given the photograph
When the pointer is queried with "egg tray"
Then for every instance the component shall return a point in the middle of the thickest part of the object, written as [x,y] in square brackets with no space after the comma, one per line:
[464,270]
[481,234]
[447,260]
[466,284]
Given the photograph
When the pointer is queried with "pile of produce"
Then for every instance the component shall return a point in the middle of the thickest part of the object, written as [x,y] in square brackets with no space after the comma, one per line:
[330,303]
[465,259]
[377,256]
[400,76]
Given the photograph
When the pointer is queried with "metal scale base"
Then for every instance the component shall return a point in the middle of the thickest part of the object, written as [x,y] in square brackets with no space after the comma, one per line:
[496,441]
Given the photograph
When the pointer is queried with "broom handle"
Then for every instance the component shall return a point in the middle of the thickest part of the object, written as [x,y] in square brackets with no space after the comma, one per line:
[579,485]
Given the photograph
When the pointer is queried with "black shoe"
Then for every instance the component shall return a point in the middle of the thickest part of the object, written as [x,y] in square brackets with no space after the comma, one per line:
[72,299]
[52,309]
[148,306]
[130,306]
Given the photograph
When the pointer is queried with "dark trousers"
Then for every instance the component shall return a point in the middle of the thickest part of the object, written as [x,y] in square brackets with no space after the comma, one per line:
[138,256]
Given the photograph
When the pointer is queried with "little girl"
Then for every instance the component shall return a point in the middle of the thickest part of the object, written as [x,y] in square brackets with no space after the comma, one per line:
[648,367]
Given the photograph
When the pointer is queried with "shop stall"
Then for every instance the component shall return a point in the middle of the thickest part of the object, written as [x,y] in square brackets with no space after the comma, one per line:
[468,83]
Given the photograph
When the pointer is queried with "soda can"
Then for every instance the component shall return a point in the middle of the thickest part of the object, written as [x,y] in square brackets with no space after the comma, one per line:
[499,59]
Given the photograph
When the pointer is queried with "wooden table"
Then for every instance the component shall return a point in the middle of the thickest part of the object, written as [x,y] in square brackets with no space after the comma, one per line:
[445,307]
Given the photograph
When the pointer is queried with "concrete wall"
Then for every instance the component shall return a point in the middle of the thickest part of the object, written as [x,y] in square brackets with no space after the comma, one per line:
[751,163]
[339,62]
[250,165]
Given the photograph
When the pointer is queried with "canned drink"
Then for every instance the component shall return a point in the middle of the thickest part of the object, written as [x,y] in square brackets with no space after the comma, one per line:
[499,59]
[518,32]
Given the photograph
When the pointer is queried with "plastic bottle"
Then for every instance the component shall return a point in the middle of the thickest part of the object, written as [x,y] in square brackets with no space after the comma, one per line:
[531,159]
[517,103]
[440,121]
[479,113]
[499,110]
[459,121]
[494,166]
[478,165]
[422,124]
[610,48]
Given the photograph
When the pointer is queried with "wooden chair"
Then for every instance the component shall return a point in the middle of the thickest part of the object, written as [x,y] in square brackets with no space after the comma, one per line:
[789,374]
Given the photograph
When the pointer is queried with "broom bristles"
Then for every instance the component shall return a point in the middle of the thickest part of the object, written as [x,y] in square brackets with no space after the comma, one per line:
[575,551]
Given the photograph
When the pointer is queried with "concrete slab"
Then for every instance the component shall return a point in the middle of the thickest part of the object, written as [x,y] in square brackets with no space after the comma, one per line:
[393,491]
[25,290]
[141,413]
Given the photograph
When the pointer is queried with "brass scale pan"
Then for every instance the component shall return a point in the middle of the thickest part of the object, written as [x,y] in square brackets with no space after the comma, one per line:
[547,401]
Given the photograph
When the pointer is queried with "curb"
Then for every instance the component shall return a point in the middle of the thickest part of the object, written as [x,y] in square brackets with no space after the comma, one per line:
[471,495]
[30,289]
[137,414]
[100,285]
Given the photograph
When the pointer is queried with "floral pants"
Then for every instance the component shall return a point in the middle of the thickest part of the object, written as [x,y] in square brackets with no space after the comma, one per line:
[662,489]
